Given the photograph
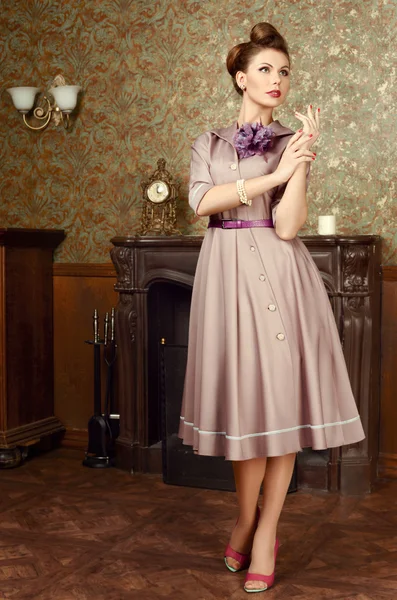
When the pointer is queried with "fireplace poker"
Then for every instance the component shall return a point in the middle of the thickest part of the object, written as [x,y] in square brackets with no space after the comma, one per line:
[110,358]
[99,432]
[97,366]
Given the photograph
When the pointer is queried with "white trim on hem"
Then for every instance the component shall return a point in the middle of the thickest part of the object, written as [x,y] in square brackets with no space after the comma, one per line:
[250,435]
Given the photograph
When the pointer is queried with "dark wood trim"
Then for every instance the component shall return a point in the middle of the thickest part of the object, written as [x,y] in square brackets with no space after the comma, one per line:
[3,343]
[32,431]
[31,238]
[387,465]
[75,438]
[389,273]
[127,455]
[145,459]
[175,241]
[387,462]
[159,241]
[84,270]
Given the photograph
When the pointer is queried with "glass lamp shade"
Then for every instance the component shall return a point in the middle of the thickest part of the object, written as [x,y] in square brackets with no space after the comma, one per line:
[23,98]
[66,96]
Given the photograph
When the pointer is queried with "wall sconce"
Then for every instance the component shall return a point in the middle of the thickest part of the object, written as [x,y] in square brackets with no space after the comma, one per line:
[64,100]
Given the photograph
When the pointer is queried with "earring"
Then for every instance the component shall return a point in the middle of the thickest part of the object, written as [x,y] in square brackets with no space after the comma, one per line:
[242,86]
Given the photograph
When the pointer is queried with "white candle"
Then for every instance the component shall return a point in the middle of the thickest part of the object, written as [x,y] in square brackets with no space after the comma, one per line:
[326,225]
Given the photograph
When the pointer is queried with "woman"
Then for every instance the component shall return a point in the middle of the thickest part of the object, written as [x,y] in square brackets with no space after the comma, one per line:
[266,375]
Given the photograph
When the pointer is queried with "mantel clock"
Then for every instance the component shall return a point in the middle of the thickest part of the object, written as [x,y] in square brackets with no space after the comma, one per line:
[160,194]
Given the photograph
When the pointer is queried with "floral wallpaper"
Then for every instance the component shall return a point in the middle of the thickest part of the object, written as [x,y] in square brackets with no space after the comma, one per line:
[154,78]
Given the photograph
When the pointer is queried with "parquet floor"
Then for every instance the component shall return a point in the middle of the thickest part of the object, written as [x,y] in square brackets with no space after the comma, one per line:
[71,533]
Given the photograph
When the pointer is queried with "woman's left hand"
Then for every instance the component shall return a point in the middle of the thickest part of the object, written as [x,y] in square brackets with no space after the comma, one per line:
[311,124]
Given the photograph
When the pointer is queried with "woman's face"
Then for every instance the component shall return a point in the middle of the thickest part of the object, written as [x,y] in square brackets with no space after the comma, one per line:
[267,78]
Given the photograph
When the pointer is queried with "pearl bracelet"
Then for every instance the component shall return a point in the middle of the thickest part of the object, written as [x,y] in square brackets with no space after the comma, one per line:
[242,194]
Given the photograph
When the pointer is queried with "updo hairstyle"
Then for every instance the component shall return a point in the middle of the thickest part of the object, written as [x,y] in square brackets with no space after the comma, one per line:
[263,35]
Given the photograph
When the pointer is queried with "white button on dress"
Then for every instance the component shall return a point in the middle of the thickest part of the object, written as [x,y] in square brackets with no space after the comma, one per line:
[252,248]
[272,307]
[262,277]
[280,336]
[233,166]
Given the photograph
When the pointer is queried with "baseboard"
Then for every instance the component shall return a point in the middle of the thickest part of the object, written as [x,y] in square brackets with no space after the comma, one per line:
[387,465]
[75,438]
[30,433]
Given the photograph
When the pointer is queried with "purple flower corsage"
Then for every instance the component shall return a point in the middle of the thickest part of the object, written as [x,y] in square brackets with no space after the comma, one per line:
[253,138]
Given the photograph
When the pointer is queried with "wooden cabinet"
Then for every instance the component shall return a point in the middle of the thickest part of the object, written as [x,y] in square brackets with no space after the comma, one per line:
[26,336]
[350,268]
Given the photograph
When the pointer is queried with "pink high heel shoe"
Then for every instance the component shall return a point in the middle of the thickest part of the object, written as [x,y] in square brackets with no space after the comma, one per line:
[243,559]
[268,579]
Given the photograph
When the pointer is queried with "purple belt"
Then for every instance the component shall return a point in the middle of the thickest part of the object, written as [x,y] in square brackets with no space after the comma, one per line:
[239,224]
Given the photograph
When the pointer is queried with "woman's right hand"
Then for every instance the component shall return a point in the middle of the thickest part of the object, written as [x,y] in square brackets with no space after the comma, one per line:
[294,154]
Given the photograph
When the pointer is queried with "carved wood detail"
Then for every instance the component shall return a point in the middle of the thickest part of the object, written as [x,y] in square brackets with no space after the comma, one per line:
[123,260]
[355,260]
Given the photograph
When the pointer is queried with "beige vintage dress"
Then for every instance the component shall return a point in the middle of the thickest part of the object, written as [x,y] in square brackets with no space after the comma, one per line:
[266,374]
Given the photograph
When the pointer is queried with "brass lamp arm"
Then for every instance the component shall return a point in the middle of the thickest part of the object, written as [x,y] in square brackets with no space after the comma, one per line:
[45,113]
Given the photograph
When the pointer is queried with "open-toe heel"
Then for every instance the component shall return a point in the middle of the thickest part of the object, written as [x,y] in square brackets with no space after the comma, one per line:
[243,559]
[267,579]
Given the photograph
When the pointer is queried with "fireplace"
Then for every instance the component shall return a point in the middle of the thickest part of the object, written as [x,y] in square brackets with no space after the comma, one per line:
[168,306]
[154,281]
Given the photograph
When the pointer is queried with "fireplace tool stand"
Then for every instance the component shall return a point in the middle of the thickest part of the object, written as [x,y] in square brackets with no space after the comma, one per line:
[103,427]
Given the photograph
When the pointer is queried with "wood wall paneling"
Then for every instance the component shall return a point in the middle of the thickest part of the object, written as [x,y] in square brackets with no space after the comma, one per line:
[78,289]
[388,407]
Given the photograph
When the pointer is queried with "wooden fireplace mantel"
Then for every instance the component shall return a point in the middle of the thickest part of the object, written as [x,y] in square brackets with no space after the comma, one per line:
[350,268]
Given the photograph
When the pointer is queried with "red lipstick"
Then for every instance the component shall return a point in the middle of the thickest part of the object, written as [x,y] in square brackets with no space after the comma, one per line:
[274,93]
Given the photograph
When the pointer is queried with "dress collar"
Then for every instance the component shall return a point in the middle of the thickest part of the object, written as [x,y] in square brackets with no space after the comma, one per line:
[227,133]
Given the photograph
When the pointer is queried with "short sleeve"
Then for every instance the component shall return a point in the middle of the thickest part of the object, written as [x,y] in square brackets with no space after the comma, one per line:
[279,193]
[200,177]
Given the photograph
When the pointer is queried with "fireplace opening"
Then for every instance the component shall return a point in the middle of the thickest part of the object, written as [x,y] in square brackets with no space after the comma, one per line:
[168,330]
[168,312]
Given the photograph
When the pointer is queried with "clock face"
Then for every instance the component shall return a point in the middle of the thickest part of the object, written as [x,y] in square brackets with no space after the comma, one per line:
[158,192]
